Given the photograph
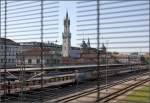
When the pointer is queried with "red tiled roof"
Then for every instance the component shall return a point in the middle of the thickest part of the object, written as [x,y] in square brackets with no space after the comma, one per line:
[37,52]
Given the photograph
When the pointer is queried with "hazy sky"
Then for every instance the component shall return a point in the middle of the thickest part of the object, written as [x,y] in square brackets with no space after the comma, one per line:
[124,24]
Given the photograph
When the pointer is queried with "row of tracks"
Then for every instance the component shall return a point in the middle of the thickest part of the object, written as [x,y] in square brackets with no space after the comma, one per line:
[108,97]
[51,92]
[120,92]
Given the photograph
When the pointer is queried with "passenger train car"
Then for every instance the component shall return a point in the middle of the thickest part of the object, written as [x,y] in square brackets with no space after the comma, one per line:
[57,80]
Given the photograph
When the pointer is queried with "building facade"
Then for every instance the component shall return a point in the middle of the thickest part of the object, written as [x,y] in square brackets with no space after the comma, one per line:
[8,53]
[31,52]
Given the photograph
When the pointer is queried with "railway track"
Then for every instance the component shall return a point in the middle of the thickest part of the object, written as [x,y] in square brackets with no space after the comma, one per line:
[94,90]
[41,95]
[120,92]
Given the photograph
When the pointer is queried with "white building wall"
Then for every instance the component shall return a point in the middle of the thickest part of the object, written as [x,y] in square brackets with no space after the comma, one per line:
[11,55]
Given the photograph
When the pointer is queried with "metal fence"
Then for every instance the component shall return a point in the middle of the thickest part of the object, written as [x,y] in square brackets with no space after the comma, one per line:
[103,54]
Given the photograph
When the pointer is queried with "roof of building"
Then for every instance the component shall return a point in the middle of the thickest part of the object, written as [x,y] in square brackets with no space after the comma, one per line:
[37,52]
[8,42]
[45,45]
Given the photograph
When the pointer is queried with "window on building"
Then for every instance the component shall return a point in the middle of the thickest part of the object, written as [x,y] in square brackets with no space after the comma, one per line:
[47,61]
[2,47]
[38,61]
[9,60]
[29,61]
[2,60]
[13,60]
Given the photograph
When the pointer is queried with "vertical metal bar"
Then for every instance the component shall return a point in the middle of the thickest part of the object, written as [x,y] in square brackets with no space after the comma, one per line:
[149,51]
[0,38]
[98,52]
[41,44]
[0,18]
[22,79]
[106,66]
[5,49]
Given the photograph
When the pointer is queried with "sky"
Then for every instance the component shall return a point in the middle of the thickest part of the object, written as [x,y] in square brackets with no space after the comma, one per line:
[71,8]
[24,20]
[123,24]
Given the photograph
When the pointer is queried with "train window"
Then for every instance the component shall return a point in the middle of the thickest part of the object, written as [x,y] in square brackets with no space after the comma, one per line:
[33,82]
[30,83]
[3,87]
[39,81]
[67,77]
[72,77]
[59,78]
[27,83]
[36,82]
[53,79]
[17,85]
[45,81]
[63,78]
[12,86]
[49,80]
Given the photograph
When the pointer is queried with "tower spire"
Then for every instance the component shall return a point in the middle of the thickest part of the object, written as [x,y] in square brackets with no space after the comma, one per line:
[67,14]
[103,48]
[66,47]
[88,43]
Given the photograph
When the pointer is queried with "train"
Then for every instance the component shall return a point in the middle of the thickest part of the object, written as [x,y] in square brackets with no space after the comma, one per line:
[15,86]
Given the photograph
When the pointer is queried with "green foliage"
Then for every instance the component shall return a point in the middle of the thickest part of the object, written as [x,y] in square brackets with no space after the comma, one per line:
[138,96]
[147,61]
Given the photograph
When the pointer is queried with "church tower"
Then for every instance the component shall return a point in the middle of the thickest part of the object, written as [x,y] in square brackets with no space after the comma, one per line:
[88,43]
[66,47]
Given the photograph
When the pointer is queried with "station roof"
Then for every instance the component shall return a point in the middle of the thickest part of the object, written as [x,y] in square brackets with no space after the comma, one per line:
[70,67]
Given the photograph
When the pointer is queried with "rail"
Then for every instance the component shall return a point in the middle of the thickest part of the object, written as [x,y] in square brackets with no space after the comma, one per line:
[120,92]
[94,90]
